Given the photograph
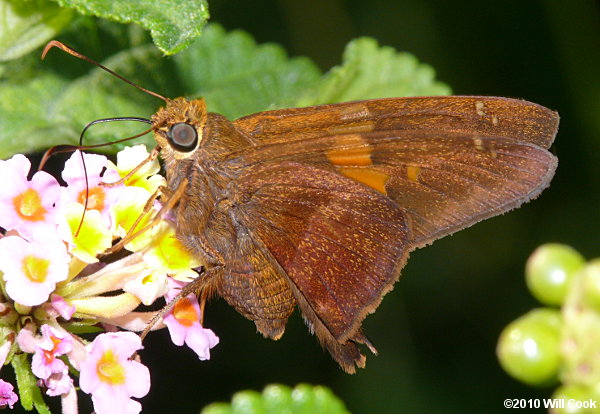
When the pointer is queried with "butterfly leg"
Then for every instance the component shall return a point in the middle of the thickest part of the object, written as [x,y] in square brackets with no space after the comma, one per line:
[199,286]
[172,199]
[151,157]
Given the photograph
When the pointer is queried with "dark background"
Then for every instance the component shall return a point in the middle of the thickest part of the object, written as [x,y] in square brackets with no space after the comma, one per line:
[436,332]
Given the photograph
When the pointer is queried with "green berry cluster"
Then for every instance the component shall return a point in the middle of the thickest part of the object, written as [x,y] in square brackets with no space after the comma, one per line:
[558,343]
[277,399]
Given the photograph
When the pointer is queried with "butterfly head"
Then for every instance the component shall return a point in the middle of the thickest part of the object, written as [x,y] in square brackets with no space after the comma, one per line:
[178,127]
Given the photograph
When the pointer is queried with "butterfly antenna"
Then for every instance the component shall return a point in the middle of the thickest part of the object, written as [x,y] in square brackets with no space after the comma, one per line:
[65,48]
[57,149]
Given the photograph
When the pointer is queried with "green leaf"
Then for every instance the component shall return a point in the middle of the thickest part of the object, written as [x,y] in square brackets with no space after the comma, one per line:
[30,395]
[277,399]
[41,108]
[370,72]
[22,114]
[237,77]
[48,109]
[173,24]
[27,25]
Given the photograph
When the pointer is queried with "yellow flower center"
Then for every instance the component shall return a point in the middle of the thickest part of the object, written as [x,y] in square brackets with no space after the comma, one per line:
[95,198]
[28,205]
[184,312]
[35,268]
[171,251]
[110,370]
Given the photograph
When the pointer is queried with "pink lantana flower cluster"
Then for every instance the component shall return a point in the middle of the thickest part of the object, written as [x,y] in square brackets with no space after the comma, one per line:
[59,277]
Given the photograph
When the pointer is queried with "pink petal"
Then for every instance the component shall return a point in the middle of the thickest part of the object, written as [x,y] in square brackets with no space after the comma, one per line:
[111,400]
[13,176]
[62,307]
[122,344]
[201,341]
[7,396]
[175,287]
[47,186]
[26,339]
[20,164]
[59,383]
[14,249]
[39,368]
[66,340]
[14,181]
[74,175]
[89,381]
[176,330]
[138,379]
[103,405]
[74,172]
[4,350]
[44,365]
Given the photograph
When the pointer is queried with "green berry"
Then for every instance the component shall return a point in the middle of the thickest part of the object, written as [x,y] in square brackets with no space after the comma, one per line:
[528,348]
[574,397]
[277,398]
[218,408]
[247,402]
[591,285]
[304,397]
[549,271]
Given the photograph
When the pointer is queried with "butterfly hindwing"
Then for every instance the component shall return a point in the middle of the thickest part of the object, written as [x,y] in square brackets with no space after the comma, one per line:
[340,244]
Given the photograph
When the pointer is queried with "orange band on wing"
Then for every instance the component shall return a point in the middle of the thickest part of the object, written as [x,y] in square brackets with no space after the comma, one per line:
[371,177]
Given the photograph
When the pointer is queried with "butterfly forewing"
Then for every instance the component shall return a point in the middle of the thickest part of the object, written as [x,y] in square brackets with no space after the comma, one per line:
[444,181]
[483,115]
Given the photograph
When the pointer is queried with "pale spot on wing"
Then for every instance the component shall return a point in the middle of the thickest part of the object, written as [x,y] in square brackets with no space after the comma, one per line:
[350,150]
[478,143]
[354,156]
[481,111]
[352,112]
[353,128]
[479,108]
[487,146]
[492,150]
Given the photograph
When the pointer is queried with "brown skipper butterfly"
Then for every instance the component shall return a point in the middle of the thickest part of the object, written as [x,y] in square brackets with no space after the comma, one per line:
[319,207]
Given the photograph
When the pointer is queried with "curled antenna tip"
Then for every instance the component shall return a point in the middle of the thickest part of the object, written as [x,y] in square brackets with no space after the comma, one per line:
[57,149]
[51,44]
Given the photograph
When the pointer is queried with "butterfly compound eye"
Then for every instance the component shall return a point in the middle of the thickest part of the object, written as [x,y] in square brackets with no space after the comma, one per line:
[183,137]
